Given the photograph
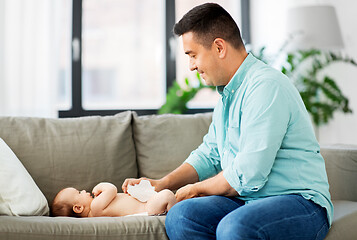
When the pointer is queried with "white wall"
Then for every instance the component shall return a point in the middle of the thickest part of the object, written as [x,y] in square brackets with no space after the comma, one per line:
[268,24]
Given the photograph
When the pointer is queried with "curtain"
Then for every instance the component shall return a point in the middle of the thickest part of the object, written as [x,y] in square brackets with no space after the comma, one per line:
[32,62]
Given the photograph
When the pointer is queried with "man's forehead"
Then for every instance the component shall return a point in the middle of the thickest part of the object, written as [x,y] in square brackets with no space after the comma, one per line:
[189,43]
[188,37]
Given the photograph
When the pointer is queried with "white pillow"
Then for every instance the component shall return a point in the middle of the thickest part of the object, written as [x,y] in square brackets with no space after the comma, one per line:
[19,194]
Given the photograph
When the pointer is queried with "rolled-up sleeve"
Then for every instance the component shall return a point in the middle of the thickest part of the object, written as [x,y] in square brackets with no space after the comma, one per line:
[264,120]
[206,159]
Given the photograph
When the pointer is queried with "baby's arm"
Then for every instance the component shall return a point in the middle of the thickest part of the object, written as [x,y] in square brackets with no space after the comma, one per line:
[104,193]
[160,202]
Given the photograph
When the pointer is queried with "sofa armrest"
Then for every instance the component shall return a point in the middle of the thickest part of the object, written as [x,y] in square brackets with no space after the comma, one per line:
[341,167]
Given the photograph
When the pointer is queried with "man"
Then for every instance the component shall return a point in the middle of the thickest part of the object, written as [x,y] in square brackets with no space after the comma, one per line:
[258,173]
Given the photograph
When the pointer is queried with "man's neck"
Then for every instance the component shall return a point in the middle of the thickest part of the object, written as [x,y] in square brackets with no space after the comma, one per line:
[235,61]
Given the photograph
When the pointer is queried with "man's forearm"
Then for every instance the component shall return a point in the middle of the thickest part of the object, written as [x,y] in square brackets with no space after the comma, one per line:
[181,176]
[216,185]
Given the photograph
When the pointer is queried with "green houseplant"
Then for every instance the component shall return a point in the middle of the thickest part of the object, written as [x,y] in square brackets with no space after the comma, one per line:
[321,94]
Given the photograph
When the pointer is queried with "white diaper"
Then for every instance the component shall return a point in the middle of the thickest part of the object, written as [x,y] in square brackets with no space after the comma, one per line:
[142,191]
[138,214]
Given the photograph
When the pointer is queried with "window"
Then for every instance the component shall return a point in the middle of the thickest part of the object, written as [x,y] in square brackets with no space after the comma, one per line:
[123,59]
[124,55]
[35,57]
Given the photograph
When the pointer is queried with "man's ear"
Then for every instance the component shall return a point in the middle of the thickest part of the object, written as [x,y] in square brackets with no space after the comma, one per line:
[220,46]
[78,208]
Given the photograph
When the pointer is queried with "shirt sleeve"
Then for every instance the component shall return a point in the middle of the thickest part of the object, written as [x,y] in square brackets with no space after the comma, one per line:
[264,121]
[205,159]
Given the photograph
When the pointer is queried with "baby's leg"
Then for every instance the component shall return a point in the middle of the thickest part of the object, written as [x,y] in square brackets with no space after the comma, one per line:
[160,202]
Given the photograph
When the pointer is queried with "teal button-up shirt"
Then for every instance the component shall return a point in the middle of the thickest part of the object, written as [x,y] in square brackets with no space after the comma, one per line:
[262,138]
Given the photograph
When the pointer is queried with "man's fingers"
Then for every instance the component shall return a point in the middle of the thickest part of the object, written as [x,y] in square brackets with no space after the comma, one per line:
[131,181]
[180,195]
[178,198]
[124,186]
[128,181]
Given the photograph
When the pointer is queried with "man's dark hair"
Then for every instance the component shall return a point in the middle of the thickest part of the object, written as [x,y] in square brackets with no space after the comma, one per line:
[208,22]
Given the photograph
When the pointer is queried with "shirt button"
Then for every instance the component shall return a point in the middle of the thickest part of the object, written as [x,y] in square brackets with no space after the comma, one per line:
[232,91]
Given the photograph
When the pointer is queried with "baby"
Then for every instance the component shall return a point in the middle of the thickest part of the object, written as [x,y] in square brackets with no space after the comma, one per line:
[107,202]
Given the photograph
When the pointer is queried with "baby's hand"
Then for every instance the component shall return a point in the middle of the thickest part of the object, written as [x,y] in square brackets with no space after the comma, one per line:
[97,190]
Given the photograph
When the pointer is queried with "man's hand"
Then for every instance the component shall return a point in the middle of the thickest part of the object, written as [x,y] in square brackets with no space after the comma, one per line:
[158,184]
[186,192]
[216,185]
[184,174]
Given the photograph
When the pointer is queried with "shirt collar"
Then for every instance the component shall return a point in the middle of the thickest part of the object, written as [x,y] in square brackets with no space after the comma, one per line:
[238,77]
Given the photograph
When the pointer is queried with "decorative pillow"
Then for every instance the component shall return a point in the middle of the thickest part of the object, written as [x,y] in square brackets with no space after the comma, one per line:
[19,194]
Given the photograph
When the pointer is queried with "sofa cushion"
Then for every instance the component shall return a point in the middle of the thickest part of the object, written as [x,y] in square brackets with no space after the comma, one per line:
[78,152]
[100,228]
[341,167]
[19,194]
[342,208]
[344,221]
[163,142]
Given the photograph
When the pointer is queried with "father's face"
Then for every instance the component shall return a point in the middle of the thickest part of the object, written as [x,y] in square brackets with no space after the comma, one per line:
[202,59]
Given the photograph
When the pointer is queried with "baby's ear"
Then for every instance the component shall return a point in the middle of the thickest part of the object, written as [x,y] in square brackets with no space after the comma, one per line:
[78,208]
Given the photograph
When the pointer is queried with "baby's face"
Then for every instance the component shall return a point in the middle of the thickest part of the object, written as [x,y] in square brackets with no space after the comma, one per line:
[77,197]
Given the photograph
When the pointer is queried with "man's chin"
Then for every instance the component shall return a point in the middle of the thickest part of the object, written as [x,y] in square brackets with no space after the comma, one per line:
[208,83]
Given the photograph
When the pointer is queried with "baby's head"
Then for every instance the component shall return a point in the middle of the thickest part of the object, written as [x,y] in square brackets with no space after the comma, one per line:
[71,203]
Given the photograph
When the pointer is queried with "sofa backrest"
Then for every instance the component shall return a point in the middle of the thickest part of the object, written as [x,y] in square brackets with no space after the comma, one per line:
[77,152]
[341,167]
[82,152]
[163,142]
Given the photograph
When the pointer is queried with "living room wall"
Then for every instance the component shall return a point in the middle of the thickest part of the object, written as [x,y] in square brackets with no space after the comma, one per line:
[268,28]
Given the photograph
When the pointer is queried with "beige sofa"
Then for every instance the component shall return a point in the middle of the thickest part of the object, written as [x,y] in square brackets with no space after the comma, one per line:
[81,152]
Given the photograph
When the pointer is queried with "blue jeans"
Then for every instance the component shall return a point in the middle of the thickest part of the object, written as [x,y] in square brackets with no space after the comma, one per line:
[216,217]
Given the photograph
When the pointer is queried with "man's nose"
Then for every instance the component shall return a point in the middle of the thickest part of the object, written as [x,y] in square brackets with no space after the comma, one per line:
[192,66]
